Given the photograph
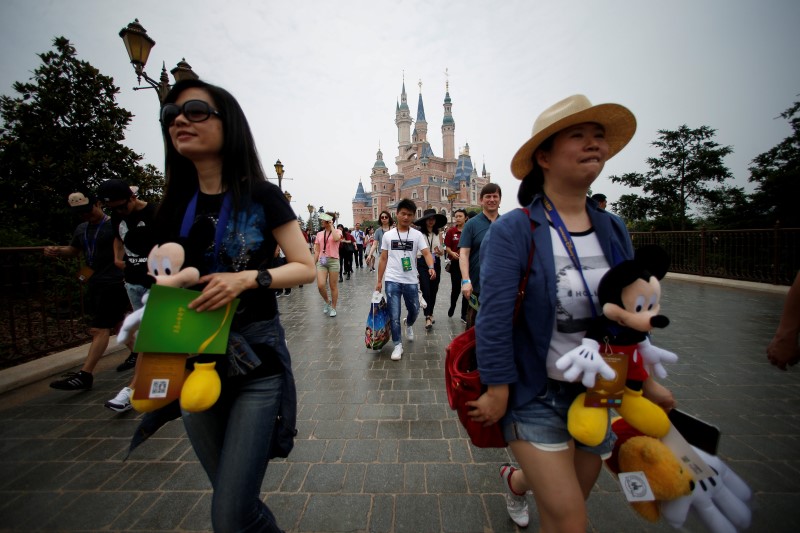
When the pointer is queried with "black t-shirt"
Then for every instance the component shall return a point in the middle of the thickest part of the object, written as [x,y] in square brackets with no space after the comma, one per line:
[96,243]
[137,234]
[249,244]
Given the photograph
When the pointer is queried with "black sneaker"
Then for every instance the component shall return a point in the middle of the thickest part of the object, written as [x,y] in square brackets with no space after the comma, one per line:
[128,363]
[74,381]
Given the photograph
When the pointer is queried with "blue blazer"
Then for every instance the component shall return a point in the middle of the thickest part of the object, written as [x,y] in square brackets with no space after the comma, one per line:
[516,355]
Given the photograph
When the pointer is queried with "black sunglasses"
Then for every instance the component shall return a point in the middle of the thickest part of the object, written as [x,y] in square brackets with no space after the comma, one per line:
[193,110]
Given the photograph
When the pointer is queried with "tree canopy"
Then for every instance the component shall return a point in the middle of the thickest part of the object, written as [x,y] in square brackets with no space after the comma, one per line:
[680,178]
[62,133]
[777,175]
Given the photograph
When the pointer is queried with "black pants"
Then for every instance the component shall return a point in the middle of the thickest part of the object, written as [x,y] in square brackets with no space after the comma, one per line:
[360,255]
[455,290]
[428,286]
[345,263]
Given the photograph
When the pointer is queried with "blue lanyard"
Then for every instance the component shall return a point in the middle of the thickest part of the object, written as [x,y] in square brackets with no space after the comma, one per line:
[92,246]
[222,222]
[566,240]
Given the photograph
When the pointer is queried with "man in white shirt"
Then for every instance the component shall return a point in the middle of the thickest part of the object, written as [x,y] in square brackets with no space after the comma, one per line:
[398,263]
[358,234]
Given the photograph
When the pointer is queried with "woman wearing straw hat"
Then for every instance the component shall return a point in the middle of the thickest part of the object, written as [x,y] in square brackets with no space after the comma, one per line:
[430,224]
[575,244]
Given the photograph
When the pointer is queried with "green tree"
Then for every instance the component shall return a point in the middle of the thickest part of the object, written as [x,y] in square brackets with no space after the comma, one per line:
[681,176]
[62,133]
[777,175]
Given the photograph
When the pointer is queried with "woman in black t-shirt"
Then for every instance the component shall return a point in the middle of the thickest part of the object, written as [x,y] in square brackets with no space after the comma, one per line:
[218,204]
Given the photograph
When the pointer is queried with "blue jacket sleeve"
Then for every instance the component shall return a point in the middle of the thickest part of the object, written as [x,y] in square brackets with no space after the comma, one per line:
[503,256]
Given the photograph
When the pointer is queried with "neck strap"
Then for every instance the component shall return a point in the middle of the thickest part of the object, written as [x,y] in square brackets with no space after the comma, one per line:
[569,245]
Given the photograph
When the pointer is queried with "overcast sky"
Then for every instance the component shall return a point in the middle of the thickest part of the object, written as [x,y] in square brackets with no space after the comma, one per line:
[319,80]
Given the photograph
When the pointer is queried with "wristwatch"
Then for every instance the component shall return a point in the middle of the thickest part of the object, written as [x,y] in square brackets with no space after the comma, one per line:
[264,279]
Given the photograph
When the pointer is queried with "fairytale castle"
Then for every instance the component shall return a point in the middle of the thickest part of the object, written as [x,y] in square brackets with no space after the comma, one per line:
[430,181]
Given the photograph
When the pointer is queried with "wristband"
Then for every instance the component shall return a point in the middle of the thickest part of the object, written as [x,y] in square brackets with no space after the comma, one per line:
[465,281]
[430,267]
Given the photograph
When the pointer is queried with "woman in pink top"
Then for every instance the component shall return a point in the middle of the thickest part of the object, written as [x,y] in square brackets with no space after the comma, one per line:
[326,257]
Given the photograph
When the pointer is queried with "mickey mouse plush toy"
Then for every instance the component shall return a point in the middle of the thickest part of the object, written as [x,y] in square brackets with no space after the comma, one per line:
[629,294]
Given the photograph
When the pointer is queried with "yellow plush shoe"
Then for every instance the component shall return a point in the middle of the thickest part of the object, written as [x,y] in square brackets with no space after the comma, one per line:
[587,425]
[201,389]
[147,405]
[643,414]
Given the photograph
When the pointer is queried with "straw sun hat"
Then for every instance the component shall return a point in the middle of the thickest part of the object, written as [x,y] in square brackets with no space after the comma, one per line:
[618,121]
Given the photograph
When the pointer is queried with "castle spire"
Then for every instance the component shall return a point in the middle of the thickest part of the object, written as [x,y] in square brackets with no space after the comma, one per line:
[420,107]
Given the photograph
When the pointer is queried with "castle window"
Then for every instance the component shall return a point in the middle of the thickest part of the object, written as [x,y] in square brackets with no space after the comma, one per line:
[414,195]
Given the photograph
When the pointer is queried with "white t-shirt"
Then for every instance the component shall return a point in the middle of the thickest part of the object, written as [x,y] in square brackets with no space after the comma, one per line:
[433,243]
[573,313]
[398,245]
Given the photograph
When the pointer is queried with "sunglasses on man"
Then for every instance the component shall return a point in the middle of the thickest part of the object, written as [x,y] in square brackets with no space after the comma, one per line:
[192,110]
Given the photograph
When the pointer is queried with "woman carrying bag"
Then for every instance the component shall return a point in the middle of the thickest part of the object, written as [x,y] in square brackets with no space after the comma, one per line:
[575,244]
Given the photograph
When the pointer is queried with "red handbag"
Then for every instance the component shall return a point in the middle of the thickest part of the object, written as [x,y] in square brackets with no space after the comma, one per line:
[463,383]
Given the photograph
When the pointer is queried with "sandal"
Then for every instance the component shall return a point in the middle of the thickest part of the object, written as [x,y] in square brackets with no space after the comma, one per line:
[428,322]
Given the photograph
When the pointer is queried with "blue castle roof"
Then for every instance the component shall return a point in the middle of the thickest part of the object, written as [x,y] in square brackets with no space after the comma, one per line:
[361,196]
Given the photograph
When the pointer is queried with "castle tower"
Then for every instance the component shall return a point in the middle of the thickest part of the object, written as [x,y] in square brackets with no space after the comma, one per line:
[381,185]
[448,127]
[403,121]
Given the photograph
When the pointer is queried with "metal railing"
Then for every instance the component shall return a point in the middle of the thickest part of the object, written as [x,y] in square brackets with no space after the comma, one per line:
[761,255]
[41,301]
[41,305]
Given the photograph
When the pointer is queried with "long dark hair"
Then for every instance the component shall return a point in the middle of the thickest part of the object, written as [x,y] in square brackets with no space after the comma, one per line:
[388,214]
[241,166]
[533,183]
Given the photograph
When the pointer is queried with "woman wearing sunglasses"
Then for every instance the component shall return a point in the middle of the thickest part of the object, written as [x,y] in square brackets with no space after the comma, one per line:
[219,205]
[385,221]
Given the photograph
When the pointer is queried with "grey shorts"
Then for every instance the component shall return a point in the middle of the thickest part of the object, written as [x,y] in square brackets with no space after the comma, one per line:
[543,420]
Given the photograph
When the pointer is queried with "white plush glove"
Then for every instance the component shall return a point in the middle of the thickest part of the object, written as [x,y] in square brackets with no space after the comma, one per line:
[653,356]
[130,326]
[720,500]
[585,362]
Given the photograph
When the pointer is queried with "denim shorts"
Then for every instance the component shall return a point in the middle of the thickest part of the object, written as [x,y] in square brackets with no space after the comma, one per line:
[543,420]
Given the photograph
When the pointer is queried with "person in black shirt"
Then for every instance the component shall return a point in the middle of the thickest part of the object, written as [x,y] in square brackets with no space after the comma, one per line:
[105,299]
[132,219]
[218,204]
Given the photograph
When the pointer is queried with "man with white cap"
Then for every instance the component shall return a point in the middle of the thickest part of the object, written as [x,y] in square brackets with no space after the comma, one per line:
[132,220]
[106,299]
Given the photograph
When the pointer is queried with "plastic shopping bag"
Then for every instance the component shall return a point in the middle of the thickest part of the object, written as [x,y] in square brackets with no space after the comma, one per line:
[378,330]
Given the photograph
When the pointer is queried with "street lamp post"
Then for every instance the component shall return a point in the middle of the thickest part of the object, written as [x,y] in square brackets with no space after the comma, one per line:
[138,44]
[311,218]
[279,172]
[452,197]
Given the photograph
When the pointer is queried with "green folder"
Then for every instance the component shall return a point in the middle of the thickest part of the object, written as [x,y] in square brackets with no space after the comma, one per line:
[168,325]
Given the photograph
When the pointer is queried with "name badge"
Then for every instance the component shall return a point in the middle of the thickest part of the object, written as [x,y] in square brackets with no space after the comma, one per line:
[406,262]
[323,260]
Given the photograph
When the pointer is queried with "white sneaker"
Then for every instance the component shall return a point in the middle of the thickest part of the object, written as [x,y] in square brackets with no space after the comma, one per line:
[397,353]
[409,331]
[326,308]
[517,505]
[122,401]
[333,312]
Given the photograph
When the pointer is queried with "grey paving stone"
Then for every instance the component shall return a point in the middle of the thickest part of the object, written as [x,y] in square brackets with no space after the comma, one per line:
[325,478]
[445,478]
[169,511]
[462,513]
[417,513]
[381,516]
[348,512]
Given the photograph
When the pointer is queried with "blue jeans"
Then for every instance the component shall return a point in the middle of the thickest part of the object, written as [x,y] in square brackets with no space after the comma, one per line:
[409,292]
[232,441]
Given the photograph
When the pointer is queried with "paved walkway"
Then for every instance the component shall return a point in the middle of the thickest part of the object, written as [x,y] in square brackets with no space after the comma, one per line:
[378,448]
